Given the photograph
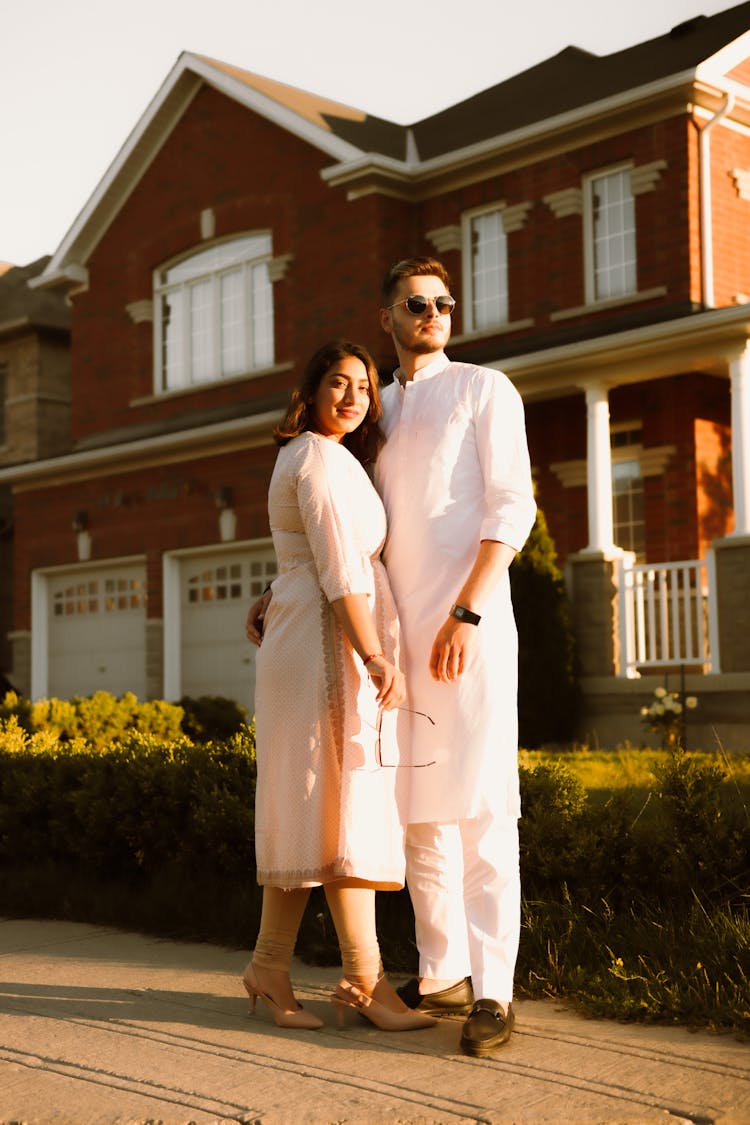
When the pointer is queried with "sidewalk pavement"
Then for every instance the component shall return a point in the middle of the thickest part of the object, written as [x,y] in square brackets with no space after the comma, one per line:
[99,1027]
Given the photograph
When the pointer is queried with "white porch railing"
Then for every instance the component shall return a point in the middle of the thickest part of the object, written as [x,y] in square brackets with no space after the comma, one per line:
[668,615]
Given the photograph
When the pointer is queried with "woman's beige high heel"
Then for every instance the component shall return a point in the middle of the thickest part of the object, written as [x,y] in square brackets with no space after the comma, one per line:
[349,996]
[300,1019]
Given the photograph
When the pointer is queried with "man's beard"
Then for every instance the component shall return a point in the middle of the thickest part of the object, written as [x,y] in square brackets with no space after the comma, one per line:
[421,346]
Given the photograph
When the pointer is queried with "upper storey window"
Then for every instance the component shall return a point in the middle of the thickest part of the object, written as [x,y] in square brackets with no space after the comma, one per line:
[485,269]
[214,313]
[609,226]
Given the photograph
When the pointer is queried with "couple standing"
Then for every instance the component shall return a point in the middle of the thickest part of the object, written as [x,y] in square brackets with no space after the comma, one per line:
[331,700]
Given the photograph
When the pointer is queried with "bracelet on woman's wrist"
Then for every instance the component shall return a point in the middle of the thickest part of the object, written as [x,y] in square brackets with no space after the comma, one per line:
[372,656]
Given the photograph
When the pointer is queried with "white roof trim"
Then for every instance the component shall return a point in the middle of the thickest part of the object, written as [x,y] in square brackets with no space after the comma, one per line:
[339,173]
[157,121]
[127,456]
[726,328]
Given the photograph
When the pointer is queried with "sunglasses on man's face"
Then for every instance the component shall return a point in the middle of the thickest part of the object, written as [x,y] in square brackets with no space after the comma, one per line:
[417,305]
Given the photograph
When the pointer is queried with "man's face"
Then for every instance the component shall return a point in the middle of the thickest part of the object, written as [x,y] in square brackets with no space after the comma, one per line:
[425,333]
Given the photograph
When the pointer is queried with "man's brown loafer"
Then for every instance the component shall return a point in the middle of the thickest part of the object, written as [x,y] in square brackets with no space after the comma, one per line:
[456,1000]
[487,1028]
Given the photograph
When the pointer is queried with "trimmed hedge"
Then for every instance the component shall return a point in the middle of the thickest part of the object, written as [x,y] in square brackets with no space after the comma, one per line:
[619,907]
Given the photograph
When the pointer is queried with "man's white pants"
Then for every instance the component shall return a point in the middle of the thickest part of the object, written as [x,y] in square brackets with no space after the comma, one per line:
[465,887]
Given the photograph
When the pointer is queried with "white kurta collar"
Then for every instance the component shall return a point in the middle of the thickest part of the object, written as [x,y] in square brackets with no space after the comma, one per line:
[439,363]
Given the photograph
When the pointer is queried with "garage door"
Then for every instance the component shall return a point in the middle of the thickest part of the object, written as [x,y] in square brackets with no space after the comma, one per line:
[97,631]
[215,593]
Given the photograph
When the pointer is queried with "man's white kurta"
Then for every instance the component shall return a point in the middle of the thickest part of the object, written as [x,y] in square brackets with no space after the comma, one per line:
[455,470]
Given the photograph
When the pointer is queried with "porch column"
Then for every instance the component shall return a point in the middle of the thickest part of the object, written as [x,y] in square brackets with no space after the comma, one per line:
[599,470]
[739,372]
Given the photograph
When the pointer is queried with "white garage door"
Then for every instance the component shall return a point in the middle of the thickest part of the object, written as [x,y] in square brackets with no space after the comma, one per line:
[215,593]
[97,631]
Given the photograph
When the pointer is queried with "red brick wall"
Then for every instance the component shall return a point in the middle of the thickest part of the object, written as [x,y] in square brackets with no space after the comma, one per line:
[730,216]
[214,158]
[687,506]
[139,513]
[545,258]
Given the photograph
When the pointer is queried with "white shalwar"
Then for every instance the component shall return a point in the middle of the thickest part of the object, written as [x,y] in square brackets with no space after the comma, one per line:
[454,471]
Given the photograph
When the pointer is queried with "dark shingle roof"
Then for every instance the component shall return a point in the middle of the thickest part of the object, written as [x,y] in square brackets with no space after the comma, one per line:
[39,308]
[564,82]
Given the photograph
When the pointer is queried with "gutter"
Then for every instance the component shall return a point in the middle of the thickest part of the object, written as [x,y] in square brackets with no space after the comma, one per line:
[706,223]
[240,433]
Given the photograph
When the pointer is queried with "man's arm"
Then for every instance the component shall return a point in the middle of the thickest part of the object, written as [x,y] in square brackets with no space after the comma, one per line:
[455,639]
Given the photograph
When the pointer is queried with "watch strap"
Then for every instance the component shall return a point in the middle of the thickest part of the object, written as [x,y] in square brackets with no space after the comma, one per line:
[463,614]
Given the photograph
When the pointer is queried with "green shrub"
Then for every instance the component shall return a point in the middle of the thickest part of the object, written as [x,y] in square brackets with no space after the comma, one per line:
[99,719]
[548,688]
[209,718]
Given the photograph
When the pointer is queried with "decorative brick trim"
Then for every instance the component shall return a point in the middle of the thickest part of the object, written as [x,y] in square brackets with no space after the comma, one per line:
[569,201]
[445,238]
[277,267]
[141,311]
[514,218]
[208,223]
[653,462]
[646,176]
[741,179]
[571,474]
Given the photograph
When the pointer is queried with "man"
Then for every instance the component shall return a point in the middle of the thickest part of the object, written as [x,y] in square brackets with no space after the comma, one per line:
[455,480]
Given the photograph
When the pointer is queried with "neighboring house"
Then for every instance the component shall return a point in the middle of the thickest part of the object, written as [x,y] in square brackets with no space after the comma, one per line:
[595,216]
[34,404]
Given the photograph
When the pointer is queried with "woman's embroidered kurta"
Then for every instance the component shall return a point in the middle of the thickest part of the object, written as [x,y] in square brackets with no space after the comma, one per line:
[324,808]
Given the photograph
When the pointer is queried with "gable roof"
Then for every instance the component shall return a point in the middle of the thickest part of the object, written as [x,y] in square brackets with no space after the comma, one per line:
[566,88]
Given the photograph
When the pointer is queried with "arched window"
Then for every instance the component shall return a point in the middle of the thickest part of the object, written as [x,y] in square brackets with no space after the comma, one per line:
[213,314]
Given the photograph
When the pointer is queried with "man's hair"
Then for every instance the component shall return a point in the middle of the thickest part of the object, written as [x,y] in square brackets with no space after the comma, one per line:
[367,440]
[412,267]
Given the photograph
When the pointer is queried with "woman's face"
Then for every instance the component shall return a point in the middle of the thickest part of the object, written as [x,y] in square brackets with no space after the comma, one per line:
[342,398]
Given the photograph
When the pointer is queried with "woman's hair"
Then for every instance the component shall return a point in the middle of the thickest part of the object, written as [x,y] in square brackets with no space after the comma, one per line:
[412,267]
[367,440]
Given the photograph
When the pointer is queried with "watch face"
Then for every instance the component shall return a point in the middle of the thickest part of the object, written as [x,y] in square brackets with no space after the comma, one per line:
[458,611]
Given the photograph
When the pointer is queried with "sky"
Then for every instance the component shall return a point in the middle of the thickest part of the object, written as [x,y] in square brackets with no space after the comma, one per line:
[76,75]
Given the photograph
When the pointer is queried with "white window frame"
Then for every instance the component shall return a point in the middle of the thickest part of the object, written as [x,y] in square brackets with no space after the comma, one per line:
[603,282]
[621,455]
[471,321]
[256,299]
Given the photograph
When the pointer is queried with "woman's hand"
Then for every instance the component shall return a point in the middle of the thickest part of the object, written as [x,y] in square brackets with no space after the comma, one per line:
[255,618]
[389,680]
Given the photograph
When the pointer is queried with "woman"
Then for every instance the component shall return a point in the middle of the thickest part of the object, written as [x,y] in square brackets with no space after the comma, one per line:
[327,686]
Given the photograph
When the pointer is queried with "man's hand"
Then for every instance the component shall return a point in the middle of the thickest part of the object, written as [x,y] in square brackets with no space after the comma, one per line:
[255,618]
[452,647]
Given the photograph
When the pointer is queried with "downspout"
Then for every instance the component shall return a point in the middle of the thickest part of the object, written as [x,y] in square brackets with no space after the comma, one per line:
[704,161]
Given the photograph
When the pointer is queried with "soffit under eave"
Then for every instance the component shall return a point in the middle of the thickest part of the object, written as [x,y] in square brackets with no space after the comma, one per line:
[612,363]
[506,152]
[119,460]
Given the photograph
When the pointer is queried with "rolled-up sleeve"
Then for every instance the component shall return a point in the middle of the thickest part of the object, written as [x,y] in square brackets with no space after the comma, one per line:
[500,427]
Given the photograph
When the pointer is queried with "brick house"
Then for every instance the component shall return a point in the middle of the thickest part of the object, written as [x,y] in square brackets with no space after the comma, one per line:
[34,402]
[594,214]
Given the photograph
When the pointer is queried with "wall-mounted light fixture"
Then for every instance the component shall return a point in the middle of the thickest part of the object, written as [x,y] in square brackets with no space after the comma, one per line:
[80,524]
[227,516]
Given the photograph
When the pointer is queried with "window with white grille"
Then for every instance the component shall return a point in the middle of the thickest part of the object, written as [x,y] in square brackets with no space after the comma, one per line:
[609,235]
[213,313]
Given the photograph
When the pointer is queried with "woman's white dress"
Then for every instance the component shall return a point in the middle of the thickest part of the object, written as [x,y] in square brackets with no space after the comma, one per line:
[324,808]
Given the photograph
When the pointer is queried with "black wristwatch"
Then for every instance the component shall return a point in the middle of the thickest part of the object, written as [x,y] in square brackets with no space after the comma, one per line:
[464,614]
